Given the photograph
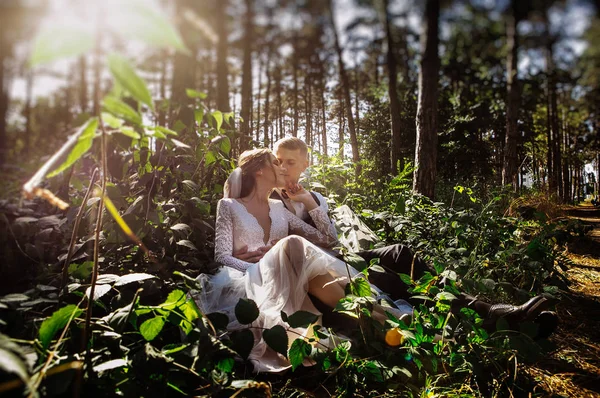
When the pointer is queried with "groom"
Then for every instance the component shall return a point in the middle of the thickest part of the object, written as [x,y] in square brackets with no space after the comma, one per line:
[394,259]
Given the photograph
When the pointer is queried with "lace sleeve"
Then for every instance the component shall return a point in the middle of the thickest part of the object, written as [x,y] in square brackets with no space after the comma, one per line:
[224,239]
[321,218]
[320,237]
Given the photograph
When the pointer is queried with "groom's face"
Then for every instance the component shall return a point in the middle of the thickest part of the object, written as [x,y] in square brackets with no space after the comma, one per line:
[294,161]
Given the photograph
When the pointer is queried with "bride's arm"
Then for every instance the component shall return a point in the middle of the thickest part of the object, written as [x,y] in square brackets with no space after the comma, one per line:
[224,238]
[323,236]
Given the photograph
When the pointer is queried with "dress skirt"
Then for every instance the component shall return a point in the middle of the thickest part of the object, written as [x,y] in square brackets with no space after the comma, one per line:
[278,282]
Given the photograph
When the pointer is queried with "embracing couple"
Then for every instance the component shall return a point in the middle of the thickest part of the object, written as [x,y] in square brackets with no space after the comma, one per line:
[274,240]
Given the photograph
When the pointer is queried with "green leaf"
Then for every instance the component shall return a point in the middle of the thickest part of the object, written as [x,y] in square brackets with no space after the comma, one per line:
[246,311]
[86,135]
[180,144]
[277,339]
[361,287]
[187,243]
[198,115]
[400,205]
[299,350]
[10,360]
[210,158]
[139,20]
[121,109]
[218,115]
[371,371]
[243,342]
[99,291]
[125,75]
[355,261]
[166,131]
[446,296]
[225,145]
[113,364]
[137,277]
[226,365]
[174,299]
[56,322]
[152,327]
[129,132]
[219,320]
[301,319]
[181,227]
[111,121]
[191,313]
[55,42]
[195,94]
[117,319]
[81,271]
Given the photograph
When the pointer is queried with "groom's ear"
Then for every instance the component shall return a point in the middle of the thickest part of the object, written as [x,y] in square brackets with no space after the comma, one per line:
[306,163]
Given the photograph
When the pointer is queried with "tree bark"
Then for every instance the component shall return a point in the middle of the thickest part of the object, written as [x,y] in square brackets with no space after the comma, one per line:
[341,127]
[268,139]
[295,90]
[509,169]
[245,127]
[323,115]
[279,122]
[346,90]
[28,95]
[426,145]
[258,100]
[184,74]
[83,99]
[222,67]
[392,71]
[308,109]
[162,111]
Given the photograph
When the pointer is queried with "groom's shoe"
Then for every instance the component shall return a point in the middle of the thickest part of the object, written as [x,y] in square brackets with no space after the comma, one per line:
[515,314]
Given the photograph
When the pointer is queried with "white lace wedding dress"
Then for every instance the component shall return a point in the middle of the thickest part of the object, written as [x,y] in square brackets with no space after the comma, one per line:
[279,282]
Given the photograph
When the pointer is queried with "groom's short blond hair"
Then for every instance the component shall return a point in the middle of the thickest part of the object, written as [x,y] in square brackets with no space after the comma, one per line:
[291,144]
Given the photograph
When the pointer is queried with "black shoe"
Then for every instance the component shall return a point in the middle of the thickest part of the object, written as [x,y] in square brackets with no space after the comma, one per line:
[515,314]
[547,322]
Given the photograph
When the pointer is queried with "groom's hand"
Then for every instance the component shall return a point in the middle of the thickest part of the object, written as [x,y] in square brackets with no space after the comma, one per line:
[251,256]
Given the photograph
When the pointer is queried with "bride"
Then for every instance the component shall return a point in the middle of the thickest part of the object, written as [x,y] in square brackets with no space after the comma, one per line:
[290,265]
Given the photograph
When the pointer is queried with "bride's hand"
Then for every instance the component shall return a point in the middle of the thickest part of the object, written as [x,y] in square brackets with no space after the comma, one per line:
[251,256]
[297,193]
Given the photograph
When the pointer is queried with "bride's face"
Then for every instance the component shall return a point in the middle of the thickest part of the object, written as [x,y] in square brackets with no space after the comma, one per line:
[273,172]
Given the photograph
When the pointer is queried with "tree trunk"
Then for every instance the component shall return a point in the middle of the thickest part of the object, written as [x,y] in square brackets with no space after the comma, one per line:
[346,87]
[278,89]
[4,99]
[295,90]
[426,145]
[392,70]
[222,67]
[83,100]
[184,74]
[509,169]
[245,127]
[308,109]
[162,112]
[323,116]
[267,124]
[341,127]
[28,95]
[258,100]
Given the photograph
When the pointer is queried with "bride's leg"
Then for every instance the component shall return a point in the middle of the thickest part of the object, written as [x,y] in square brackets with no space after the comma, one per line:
[326,289]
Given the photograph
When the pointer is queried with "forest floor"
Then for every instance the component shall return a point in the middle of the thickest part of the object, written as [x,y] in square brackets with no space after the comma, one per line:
[573,368]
